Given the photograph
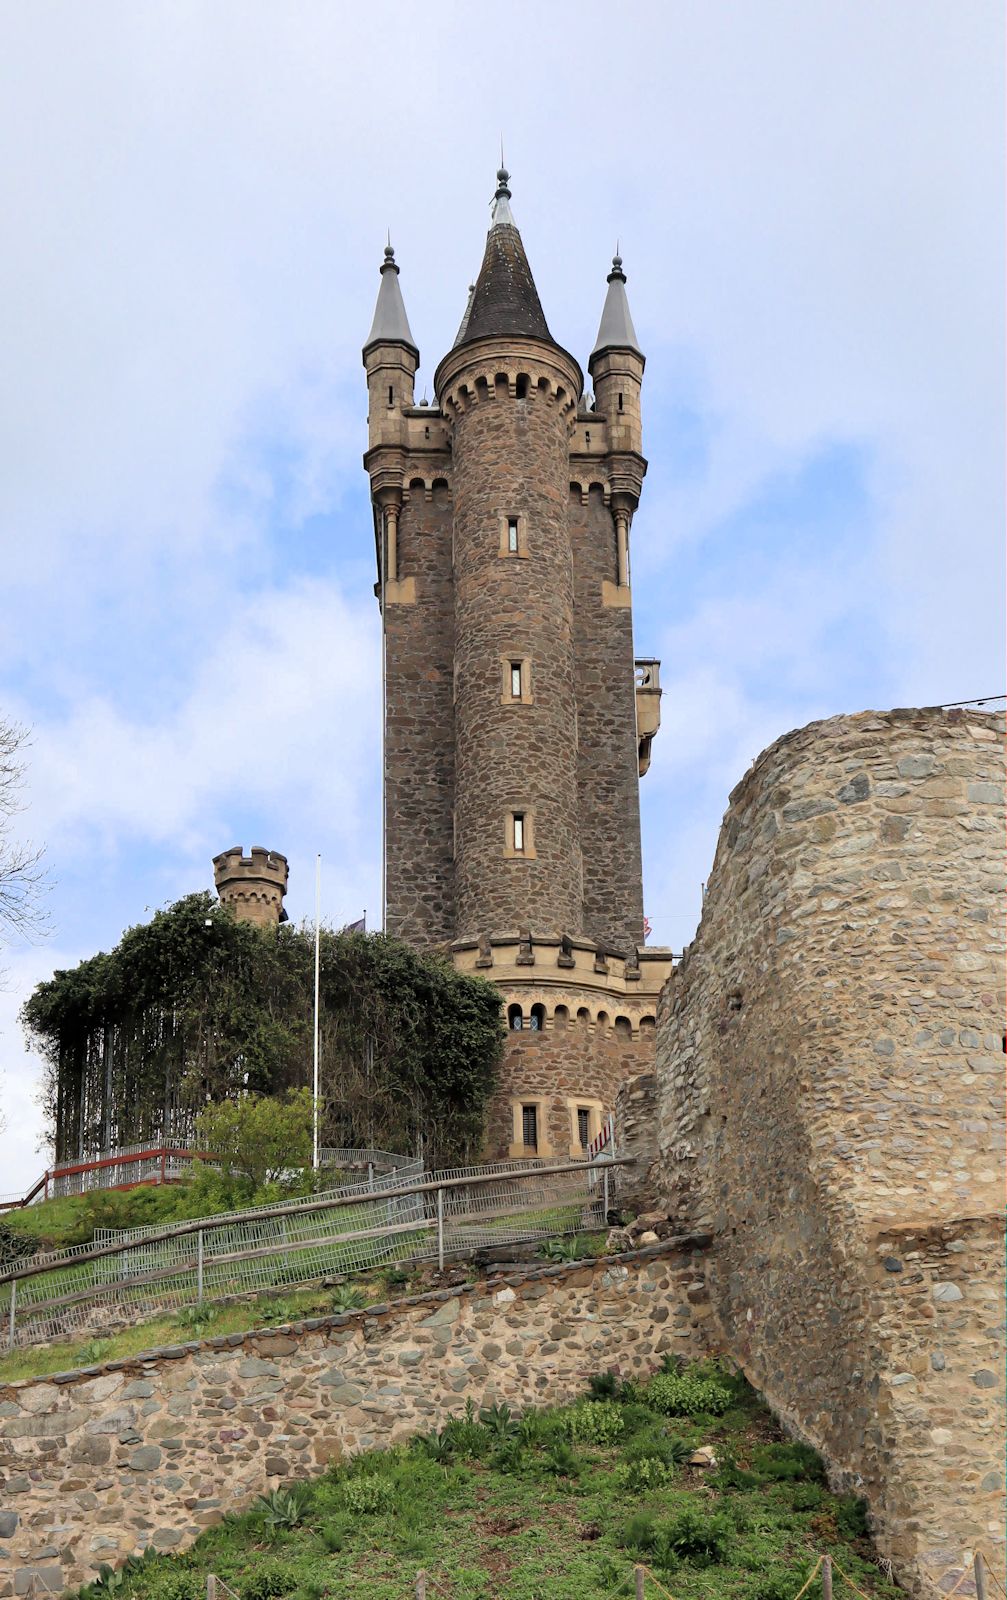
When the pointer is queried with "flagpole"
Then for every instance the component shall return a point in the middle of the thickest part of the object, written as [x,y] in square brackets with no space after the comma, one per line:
[318,924]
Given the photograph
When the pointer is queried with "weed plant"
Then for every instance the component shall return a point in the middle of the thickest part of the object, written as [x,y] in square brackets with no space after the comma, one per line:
[545,1506]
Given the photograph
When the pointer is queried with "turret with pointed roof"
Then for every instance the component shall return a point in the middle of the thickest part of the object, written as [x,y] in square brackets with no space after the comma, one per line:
[512,741]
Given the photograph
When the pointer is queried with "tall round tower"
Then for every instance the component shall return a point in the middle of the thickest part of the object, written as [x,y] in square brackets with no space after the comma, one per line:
[516,721]
[509,394]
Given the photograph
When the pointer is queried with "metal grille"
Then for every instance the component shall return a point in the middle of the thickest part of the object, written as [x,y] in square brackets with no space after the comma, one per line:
[72,1292]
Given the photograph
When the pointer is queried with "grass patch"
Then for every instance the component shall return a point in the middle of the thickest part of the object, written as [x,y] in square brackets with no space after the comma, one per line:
[541,1507]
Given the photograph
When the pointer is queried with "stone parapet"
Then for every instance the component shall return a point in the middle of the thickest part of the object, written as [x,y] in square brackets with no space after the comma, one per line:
[252,887]
[830,1055]
[100,1464]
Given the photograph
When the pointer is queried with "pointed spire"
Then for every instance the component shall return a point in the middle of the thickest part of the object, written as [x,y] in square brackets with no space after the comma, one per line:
[616,329]
[505,300]
[390,325]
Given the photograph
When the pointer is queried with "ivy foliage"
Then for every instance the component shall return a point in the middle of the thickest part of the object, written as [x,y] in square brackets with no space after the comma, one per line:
[194,1007]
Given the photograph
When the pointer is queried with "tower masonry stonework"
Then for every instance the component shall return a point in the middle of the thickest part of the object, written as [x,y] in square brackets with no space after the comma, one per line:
[517,721]
[252,887]
[828,1105]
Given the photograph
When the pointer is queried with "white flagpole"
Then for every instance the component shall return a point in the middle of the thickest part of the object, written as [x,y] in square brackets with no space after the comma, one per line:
[318,924]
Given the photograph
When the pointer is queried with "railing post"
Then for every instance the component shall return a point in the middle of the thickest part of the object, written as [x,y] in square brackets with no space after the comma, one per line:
[199,1268]
[440,1230]
[979,1567]
[13,1312]
[370,1174]
[826,1578]
[639,1579]
[604,1196]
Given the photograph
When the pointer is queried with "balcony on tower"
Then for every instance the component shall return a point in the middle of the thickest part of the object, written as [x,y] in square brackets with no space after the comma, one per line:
[648,707]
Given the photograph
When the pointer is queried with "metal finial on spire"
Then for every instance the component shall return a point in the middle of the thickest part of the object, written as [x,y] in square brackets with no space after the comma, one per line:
[617,272]
[503,179]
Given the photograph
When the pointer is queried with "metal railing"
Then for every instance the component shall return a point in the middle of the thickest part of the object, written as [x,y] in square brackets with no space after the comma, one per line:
[69,1293]
[167,1162]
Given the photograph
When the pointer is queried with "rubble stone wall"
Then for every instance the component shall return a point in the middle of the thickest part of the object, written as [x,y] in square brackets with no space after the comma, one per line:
[830,1105]
[98,1464]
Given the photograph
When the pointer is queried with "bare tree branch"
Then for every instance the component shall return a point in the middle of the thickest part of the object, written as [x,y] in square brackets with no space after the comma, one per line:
[22,875]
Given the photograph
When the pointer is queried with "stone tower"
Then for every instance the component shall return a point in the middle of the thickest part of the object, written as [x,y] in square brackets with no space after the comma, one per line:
[517,722]
[252,887]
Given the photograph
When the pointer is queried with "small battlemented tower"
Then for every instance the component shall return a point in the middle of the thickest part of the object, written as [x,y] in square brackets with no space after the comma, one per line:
[517,721]
[252,887]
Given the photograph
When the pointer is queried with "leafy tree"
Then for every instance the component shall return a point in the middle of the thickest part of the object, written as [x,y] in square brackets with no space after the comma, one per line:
[258,1136]
[194,1008]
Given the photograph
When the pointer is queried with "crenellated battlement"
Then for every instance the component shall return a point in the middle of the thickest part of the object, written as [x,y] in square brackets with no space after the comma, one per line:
[252,887]
[509,369]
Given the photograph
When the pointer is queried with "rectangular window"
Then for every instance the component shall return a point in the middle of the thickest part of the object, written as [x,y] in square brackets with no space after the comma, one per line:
[583,1126]
[519,830]
[529,1127]
[512,535]
[515,680]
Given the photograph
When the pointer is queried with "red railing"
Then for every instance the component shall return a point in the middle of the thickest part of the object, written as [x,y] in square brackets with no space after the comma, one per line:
[151,1167]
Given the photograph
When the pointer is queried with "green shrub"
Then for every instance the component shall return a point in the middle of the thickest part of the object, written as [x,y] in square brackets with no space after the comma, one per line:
[284,1508]
[657,1446]
[561,1250]
[851,1516]
[560,1461]
[347,1297]
[510,1457]
[169,1584]
[594,1422]
[499,1421]
[780,1585]
[807,1497]
[779,1463]
[699,1539]
[268,1580]
[335,1534]
[640,1535]
[366,1495]
[602,1386]
[684,1394]
[642,1475]
[434,1446]
[466,1438]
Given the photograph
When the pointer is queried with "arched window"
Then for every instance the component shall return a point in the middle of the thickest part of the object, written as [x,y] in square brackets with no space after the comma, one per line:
[561,1017]
[515,1018]
[536,1019]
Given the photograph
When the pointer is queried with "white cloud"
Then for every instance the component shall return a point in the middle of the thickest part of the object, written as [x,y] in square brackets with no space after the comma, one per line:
[809,200]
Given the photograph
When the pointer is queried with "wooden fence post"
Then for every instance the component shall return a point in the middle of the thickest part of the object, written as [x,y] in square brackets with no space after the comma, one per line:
[639,1579]
[421,1586]
[980,1572]
[211,1587]
[826,1578]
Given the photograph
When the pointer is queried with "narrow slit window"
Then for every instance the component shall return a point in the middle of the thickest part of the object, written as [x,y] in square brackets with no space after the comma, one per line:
[583,1126]
[515,680]
[519,830]
[512,535]
[391,395]
[529,1127]
[620,402]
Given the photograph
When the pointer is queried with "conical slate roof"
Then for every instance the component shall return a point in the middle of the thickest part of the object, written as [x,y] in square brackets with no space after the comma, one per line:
[390,325]
[616,330]
[505,300]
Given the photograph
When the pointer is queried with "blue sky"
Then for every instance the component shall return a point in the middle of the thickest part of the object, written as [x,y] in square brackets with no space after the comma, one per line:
[808,199]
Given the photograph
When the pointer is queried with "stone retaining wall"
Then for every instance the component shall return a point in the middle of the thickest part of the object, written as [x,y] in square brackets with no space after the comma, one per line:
[97,1464]
[830,1106]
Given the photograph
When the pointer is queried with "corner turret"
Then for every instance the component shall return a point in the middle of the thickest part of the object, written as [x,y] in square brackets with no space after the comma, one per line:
[616,367]
[252,887]
[391,358]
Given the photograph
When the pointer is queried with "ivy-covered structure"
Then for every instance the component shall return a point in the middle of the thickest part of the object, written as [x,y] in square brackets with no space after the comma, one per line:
[197,1005]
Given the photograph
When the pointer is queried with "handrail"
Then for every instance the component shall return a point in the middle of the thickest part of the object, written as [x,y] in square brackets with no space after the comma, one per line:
[266,1213]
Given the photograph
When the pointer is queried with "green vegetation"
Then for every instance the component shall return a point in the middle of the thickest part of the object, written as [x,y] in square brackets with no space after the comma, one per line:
[544,1507]
[194,1007]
